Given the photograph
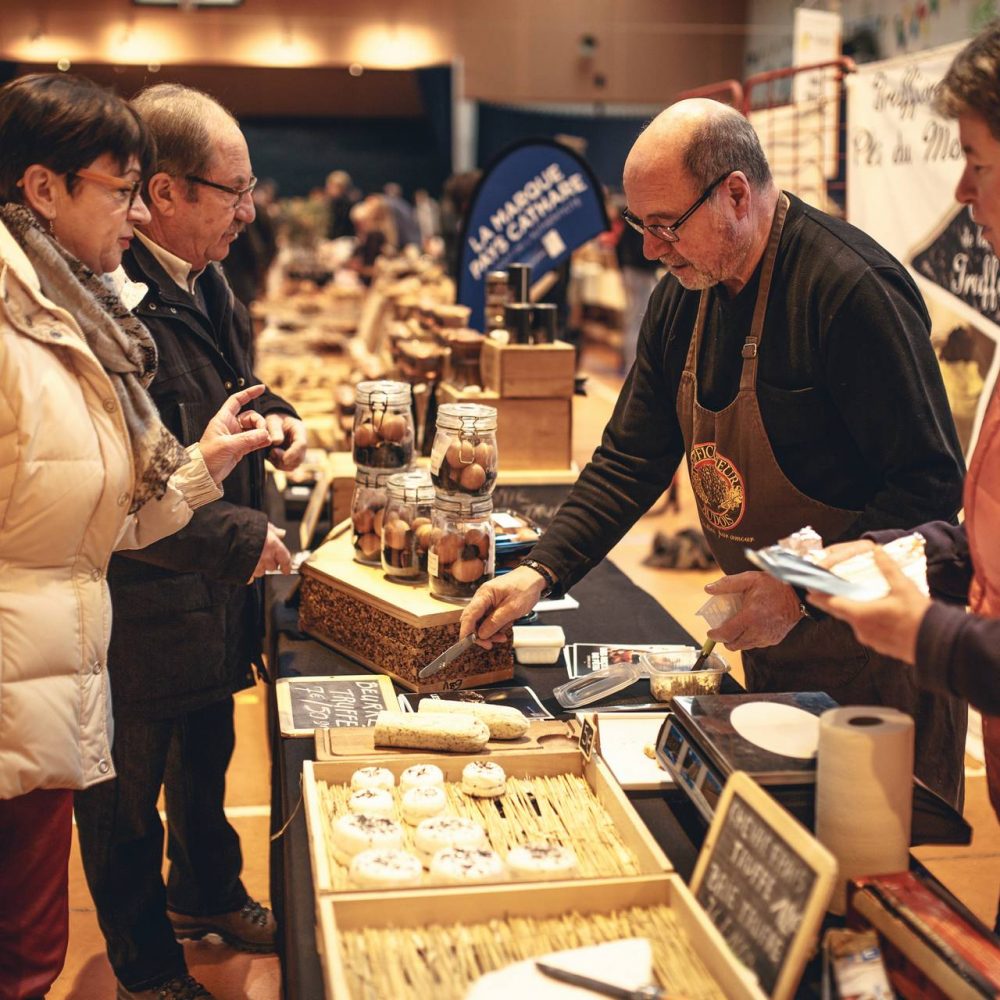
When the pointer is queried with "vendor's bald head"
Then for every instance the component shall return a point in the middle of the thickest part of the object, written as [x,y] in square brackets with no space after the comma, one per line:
[693,149]
[698,140]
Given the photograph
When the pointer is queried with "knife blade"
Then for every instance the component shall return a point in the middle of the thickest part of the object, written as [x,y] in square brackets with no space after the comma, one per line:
[451,653]
[597,986]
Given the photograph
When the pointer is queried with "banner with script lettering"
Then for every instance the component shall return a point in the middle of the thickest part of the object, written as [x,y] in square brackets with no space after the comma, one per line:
[535,204]
[903,162]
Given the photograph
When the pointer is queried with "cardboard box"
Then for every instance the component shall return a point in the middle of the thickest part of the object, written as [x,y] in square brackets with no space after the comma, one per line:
[525,371]
[532,433]
[393,628]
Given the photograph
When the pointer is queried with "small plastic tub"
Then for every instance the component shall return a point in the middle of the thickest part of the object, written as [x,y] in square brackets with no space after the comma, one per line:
[670,673]
[538,644]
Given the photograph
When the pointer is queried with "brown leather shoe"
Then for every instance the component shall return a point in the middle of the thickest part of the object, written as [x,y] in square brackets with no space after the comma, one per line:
[184,988]
[252,928]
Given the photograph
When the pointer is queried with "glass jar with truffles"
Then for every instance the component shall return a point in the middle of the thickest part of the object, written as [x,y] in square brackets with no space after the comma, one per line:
[464,456]
[383,425]
[406,527]
[367,514]
[461,556]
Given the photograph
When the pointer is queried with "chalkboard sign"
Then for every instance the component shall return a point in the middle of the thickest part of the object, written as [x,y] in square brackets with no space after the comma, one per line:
[765,882]
[306,704]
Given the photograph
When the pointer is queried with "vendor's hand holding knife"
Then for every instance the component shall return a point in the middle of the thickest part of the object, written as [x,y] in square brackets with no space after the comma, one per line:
[499,603]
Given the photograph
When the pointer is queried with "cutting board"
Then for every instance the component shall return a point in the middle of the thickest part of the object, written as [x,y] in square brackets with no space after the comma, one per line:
[359,741]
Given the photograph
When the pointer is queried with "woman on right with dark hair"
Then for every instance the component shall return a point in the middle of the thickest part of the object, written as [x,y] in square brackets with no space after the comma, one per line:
[949,649]
[86,467]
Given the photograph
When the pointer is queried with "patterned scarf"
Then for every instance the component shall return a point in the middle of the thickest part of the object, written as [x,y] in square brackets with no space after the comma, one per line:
[120,342]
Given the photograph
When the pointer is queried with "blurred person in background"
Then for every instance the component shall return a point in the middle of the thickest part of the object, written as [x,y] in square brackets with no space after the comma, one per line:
[428,215]
[376,233]
[188,610]
[250,257]
[403,217]
[339,202]
[86,466]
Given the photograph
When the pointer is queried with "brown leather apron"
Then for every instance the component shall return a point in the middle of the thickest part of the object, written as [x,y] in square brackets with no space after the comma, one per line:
[745,500]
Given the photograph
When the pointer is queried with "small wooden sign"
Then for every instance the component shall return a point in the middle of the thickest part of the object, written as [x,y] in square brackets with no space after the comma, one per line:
[306,704]
[765,882]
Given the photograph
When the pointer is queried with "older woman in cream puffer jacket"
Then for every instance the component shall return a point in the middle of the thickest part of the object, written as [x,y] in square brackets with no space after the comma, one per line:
[65,481]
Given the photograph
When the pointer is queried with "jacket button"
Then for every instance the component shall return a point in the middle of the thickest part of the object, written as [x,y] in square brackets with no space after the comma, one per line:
[173,309]
[103,766]
[123,499]
[229,386]
[96,574]
[152,306]
[98,667]
[109,405]
[241,382]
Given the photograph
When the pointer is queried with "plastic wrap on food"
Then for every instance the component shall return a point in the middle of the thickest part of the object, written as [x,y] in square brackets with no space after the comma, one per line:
[804,542]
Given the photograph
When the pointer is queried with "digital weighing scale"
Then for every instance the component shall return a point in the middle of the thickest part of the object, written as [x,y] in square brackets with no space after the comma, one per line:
[699,747]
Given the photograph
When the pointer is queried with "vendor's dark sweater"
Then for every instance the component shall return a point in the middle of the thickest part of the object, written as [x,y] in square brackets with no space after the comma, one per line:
[849,389]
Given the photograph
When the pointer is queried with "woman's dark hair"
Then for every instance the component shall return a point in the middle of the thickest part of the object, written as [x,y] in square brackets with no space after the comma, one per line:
[65,122]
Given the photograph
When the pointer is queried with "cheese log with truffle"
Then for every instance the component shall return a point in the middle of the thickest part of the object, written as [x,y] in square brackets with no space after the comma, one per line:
[504,722]
[394,629]
[421,731]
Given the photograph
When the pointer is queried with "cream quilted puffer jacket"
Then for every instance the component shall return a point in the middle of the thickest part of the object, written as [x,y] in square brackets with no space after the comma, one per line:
[65,481]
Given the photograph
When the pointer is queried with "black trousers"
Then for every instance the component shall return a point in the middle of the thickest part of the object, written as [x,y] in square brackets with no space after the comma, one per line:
[121,839]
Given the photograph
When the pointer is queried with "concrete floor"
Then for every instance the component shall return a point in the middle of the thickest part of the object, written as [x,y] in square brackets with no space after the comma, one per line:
[972,873]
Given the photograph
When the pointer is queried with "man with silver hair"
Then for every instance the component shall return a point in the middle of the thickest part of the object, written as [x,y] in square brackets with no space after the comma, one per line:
[187,611]
[786,358]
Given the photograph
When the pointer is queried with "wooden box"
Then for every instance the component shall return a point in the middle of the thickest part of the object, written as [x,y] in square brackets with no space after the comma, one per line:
[647,856]
[394,628]
[532,433]
[412,911]
[523,371]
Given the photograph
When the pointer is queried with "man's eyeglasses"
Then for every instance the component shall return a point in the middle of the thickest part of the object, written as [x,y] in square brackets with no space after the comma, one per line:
[121,185]
[669,233]
[238,193]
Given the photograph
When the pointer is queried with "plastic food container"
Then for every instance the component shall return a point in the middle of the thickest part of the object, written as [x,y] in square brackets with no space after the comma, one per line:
[719,609]
[670,673]
[539,644]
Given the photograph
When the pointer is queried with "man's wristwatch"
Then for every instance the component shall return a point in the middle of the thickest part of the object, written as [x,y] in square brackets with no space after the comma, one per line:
[551,580]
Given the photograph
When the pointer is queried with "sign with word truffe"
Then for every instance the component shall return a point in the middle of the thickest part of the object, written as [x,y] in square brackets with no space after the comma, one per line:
[765,882]
[306,704]
[535,204]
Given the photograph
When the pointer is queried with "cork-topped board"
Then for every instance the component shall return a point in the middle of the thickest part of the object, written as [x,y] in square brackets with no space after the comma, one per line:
[392,628]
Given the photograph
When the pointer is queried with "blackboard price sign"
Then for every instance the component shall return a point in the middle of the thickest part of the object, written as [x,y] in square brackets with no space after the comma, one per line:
[765,882]
[306,704]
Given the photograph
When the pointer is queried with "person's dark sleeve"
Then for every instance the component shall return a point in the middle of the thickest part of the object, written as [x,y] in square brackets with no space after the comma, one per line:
[886,384]
[959,653]
[949,565]
[222,541]
[636,459]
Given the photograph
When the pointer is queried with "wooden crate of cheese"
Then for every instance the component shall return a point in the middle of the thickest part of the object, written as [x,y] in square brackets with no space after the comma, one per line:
[418,944]
[390,627]
[551,796]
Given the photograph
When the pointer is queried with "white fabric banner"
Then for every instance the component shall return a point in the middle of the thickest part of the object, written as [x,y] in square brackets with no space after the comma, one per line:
[903,162]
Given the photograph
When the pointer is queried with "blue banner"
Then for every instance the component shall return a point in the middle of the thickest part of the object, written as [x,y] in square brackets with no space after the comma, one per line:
[535,204]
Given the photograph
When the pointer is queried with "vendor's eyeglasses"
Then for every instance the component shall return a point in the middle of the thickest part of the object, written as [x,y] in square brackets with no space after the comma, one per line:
[238,193]
[121,185]
[669,233]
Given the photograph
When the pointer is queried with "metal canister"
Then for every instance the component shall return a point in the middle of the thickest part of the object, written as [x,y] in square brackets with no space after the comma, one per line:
[519,279]
[543,323]
[517,322]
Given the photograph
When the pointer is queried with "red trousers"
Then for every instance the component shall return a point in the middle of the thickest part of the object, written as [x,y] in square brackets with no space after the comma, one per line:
[35,834]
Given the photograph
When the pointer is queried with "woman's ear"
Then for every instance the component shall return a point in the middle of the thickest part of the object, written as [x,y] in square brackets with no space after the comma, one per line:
[43,191]
[163,194]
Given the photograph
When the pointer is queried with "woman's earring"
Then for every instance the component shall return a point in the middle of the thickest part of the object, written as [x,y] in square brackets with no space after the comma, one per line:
[52,228]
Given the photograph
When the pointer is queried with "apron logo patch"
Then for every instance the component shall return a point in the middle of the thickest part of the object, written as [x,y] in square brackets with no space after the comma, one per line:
[718,485]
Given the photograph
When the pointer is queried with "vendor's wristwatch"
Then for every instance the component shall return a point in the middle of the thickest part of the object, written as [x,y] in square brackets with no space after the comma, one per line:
[551,581]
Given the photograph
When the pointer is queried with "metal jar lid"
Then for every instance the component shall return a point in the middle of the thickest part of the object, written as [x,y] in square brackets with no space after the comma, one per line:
[383,392]
[467,416]
[411,487]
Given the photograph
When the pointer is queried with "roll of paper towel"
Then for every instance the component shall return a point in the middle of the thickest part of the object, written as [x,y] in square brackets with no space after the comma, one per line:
[864,792]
